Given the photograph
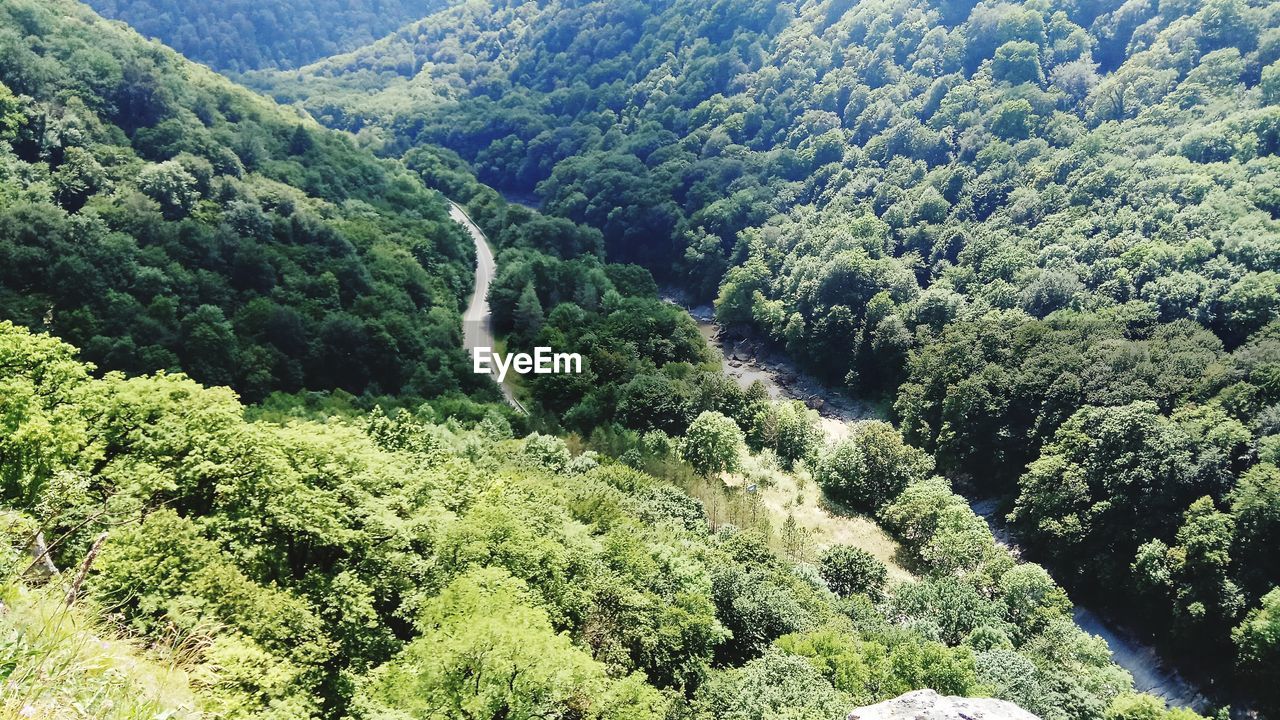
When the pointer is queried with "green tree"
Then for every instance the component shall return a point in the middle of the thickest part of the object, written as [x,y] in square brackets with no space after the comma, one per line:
[872,466]
[1257,640]
[777,684]
[171,185]
[1017,62]
[487,651]
[849,570]
[713,444]
[527,318]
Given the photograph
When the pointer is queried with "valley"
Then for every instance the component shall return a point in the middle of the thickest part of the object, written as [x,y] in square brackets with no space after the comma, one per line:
[1151,672]
[639,360]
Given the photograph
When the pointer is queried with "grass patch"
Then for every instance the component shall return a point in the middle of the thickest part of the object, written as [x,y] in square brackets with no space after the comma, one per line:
[60,663]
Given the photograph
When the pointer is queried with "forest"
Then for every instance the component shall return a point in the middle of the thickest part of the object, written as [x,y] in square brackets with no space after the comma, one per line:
[247,472]
[234,36]
[1043,233]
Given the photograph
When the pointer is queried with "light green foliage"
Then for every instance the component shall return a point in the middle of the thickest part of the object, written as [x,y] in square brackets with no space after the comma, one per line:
[11,117]
[487,651]
[791,430]
[942,532]
[1032,599]
[293,554]
[871,670]
[775,685]
[1257,638]
[41,435]
[1145,707]
[713,444]
[62,663]
[547,452]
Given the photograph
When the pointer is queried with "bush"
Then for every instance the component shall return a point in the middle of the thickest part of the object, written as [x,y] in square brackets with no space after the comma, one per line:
[849,570]
[872,466]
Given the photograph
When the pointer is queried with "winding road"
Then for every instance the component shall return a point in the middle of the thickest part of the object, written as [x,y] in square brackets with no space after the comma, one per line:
[477,322]
[1150,673]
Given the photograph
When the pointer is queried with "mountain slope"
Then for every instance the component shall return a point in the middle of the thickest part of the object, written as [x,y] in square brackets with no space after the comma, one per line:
[362,565]
[163,218]
[239,35]
[1046,232]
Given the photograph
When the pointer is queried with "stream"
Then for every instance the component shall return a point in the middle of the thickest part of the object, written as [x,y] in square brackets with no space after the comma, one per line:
[747,361]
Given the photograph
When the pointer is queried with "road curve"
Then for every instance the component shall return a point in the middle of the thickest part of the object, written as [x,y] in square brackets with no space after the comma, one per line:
[477,321]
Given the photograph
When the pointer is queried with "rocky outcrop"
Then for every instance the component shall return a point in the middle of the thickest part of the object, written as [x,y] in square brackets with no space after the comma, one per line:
[929,705]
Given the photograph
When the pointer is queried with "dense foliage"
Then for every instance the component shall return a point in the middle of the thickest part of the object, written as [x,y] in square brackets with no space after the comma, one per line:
[1046,230]
[417,566]
[238,35]
[162,218]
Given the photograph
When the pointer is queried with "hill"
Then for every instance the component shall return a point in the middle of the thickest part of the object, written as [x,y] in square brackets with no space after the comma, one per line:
[358,564]
[163,218]
[239,35]
[1045,232]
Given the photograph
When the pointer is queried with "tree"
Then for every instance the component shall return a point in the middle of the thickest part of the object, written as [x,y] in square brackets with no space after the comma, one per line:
[1133,706]
[170,185]
[849,570]
[11,117]
[1013,119]
[795,538]
[1112,476]
[1257,641]
[1255,506]
[1017,62]
[1270,84]
[527,318]
[775,685]
[713,444]
[872,466]
[796,433]
[1032,599]
[488,652]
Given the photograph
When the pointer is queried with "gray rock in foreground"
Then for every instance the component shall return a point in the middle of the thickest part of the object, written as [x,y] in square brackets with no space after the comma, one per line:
[929,705]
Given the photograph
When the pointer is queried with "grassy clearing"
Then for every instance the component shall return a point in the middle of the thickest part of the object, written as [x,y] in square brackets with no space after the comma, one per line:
[57,663]
[823,522]
[777,495]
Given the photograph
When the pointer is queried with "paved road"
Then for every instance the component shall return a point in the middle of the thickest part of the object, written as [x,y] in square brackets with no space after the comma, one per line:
[477,322]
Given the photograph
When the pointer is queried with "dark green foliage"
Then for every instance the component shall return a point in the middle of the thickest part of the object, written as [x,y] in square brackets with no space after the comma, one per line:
[162,218]
[850,570]
[240,35]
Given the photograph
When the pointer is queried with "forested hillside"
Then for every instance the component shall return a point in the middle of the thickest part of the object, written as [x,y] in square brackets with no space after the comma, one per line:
[1046,232]
[427,565]
[239,35]
[1041,236]
[162,219]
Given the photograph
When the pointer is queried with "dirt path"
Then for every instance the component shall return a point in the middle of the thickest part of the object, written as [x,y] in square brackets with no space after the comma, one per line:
[477,321]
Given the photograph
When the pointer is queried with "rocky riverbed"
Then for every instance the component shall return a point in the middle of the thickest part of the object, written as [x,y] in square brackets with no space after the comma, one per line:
[747,360]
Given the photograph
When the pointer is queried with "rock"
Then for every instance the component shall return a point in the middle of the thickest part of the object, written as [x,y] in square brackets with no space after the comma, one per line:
[929,705]
[814,402]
